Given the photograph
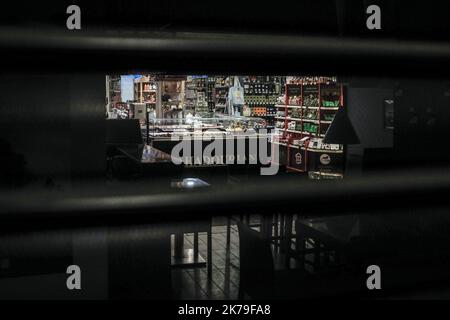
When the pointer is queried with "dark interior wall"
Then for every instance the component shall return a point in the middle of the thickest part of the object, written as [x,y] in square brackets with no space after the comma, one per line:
[422,115]
[87,125]
[35,118]
[55,122]
[366,111]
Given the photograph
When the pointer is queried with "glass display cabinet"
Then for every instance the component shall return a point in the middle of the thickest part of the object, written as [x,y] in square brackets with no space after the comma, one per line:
[165,134]
[164,129]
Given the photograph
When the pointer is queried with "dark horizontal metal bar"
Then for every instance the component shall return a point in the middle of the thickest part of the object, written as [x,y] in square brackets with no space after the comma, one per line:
[382,193]
[220,52]
[218,43]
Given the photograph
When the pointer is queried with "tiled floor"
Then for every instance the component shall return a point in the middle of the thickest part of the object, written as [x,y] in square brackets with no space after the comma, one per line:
[194,283]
